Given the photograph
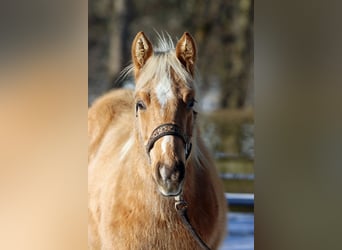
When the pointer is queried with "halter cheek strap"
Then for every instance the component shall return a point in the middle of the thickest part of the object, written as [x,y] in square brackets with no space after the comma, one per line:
[169,129]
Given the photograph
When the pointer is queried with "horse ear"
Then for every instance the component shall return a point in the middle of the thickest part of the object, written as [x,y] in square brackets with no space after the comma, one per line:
[141,51]
[186,52]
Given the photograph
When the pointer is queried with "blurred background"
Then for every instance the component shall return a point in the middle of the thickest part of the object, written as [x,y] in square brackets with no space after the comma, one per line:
[44,100]
[223,31]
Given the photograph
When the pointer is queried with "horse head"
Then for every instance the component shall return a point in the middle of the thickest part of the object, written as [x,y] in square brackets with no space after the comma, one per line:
[164,105]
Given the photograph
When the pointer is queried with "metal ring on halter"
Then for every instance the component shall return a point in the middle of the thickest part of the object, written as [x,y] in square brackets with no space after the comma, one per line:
[169,129]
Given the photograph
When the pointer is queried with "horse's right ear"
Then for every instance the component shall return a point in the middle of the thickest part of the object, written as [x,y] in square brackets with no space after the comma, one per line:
[141,51]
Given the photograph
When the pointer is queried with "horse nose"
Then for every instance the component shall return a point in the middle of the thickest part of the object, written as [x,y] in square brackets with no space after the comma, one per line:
[171,177]
[171,174]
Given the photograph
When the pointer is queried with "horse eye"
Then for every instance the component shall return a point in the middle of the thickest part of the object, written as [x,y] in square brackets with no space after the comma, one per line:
[191,104]
[140,105]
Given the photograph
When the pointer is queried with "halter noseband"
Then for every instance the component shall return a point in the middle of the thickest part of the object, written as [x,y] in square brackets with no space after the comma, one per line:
[169,129]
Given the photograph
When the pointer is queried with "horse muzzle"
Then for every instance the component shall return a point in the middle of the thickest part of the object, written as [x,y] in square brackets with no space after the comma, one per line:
[170,178]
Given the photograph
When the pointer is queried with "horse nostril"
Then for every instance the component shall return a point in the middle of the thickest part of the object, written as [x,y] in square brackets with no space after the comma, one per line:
[174,176]
[174,173]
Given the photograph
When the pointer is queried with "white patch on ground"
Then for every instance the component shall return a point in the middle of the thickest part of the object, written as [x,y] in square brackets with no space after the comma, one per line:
[164,91]
[165,142]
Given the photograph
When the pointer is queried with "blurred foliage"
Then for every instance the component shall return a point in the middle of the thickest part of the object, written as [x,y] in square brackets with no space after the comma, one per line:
[223,31]
[223,130]
[229,134]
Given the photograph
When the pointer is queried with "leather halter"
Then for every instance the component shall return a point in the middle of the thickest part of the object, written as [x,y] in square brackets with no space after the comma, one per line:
[169,129]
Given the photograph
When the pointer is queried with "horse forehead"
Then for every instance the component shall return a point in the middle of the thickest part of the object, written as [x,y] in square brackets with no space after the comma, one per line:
[164,91]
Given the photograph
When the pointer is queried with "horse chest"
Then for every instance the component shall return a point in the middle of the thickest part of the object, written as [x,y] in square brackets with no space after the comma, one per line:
[145,228]
[153,233]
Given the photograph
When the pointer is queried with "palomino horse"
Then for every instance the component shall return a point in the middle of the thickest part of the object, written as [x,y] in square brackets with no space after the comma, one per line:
[140,158]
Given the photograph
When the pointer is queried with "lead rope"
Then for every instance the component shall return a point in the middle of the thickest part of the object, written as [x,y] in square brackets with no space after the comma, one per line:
[181,208]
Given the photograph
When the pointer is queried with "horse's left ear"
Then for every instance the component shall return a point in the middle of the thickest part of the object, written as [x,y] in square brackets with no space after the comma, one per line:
[186,52]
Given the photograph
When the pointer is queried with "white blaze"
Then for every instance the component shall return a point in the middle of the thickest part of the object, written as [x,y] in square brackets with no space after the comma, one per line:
[164,91]
[165,142]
